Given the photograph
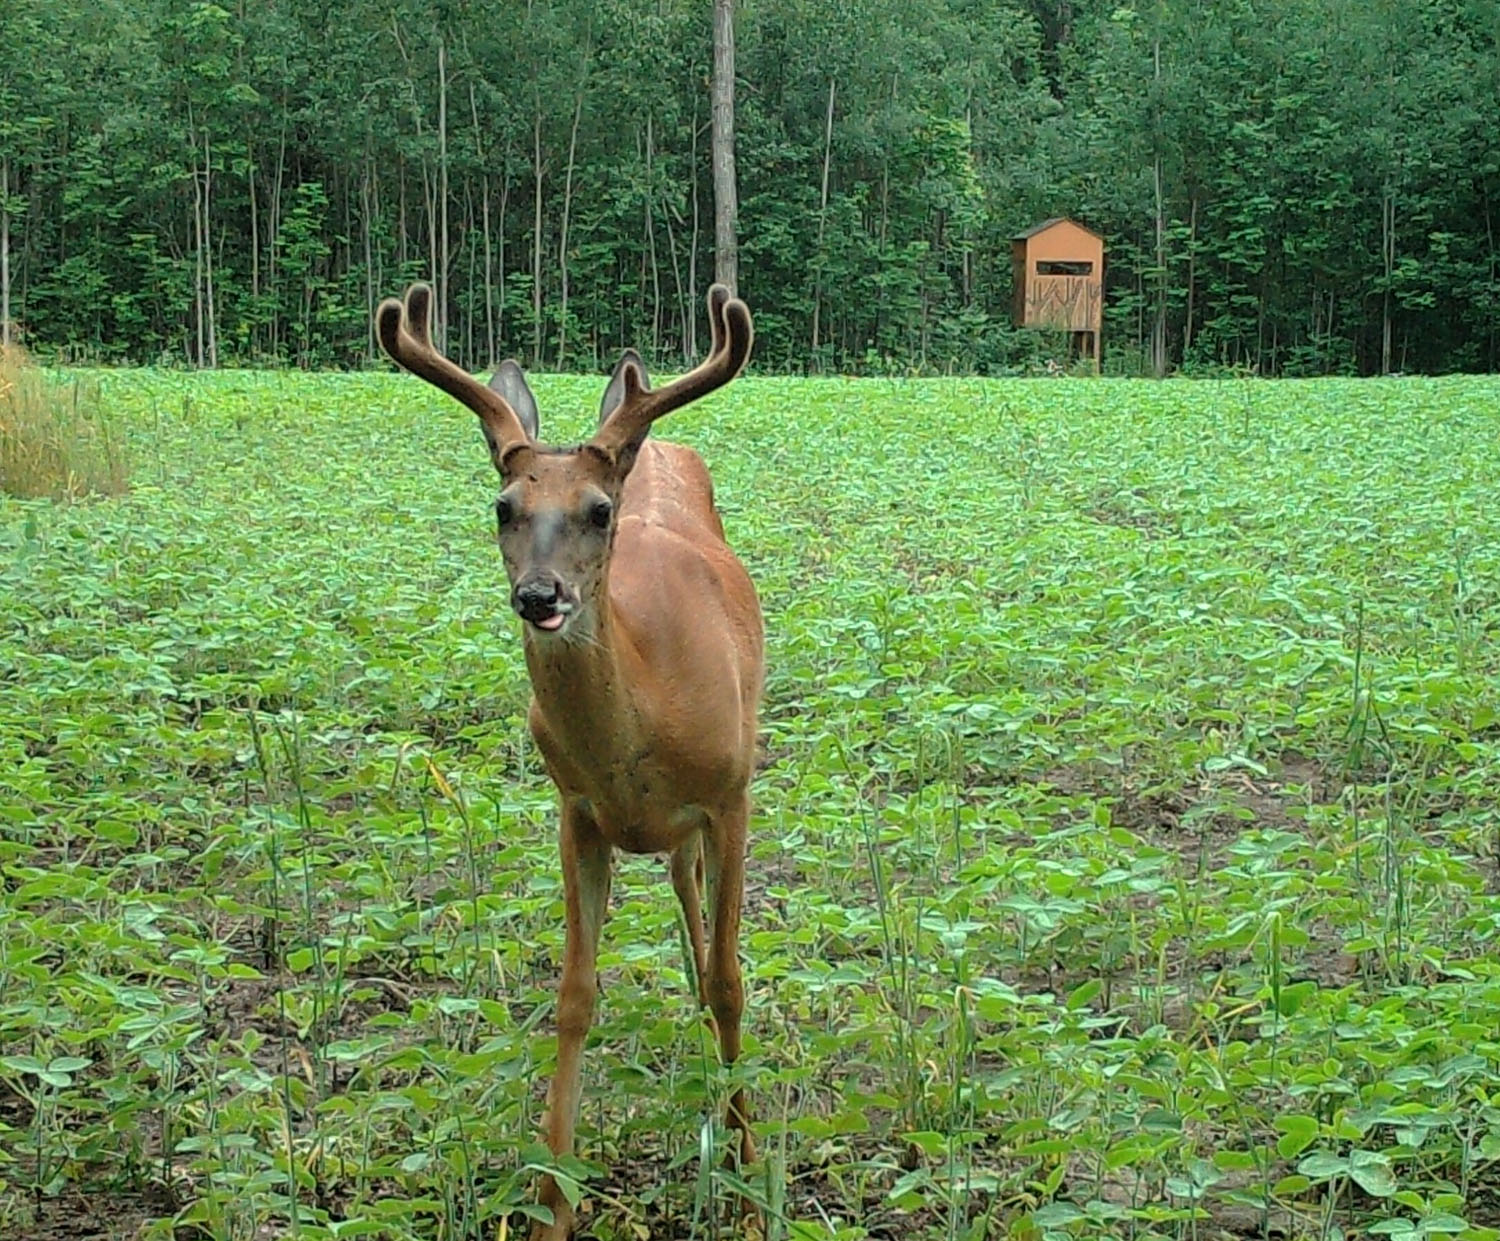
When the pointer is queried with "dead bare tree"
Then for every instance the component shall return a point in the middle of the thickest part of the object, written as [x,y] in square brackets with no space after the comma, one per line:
[726,202]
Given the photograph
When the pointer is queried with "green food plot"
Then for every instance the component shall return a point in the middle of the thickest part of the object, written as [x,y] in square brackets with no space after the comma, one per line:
[1123,859]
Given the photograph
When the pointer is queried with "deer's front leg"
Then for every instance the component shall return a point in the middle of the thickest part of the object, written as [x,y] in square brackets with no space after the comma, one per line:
[687,882]
[585,867]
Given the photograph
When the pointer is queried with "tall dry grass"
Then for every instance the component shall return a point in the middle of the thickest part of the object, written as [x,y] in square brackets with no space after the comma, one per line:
[56,439]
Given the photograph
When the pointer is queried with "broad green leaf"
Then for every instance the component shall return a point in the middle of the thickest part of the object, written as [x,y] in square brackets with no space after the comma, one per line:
[1372,1173]
[1298,1132]
[1320,1166]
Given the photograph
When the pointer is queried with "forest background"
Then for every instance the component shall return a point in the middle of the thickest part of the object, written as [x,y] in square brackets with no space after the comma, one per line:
[1290,186]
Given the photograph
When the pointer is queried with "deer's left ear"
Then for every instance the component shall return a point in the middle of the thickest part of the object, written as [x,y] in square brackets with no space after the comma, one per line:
[510,382]
[614,391]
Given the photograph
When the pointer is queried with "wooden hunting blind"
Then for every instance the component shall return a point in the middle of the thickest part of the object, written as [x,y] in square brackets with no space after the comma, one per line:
[1058,270]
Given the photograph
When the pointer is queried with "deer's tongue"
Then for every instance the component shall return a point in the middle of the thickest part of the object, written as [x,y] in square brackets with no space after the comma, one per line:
[552,622]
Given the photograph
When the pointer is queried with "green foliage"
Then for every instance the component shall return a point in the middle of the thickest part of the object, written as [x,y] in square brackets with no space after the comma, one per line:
[1328,178]
[1121,865]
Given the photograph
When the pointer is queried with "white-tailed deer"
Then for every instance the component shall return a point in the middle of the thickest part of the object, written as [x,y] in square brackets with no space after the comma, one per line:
[644,641]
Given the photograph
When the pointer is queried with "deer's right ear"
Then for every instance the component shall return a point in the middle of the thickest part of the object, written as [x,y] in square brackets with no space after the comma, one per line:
[614,393]
[510,382]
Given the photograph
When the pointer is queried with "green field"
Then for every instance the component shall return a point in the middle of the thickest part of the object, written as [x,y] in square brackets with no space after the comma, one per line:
[1123,862]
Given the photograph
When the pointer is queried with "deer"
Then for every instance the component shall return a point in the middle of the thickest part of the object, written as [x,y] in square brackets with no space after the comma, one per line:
[644,644]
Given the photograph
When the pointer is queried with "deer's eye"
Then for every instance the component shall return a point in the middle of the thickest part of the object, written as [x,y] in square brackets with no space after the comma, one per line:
[505,512]
[599,513]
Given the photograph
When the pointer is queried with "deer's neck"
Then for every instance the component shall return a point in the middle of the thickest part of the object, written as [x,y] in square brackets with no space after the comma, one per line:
[585,690]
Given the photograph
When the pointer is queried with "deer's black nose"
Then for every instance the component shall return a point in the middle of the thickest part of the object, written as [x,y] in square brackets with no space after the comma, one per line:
[536,598]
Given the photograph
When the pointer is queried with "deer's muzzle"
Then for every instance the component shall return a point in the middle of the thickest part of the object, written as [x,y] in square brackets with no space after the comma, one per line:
[542,600]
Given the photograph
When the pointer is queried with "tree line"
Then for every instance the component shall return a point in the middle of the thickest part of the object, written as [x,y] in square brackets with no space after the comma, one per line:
[1290,186]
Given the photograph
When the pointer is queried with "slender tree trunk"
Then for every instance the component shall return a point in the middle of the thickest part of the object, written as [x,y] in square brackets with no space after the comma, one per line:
[726,205]
[562,245]
[471,247]
[822,219]
[5,251]
[536,237]
[885,171]
[684,307]
[254,245]
[200,336]
[1159,318]
[690,320]
[401,217]
[651,244]
[442,193]
[208,253]
[199,319]
[1159,324]
[366,210]
[375,214]
[500,252]
[253,314]
[430,208]
[885,218]
[489,274]
[965,235]
[484,208]
[1140,313]
[273,235]
[1388,255]
[626,323]
[1187,330]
